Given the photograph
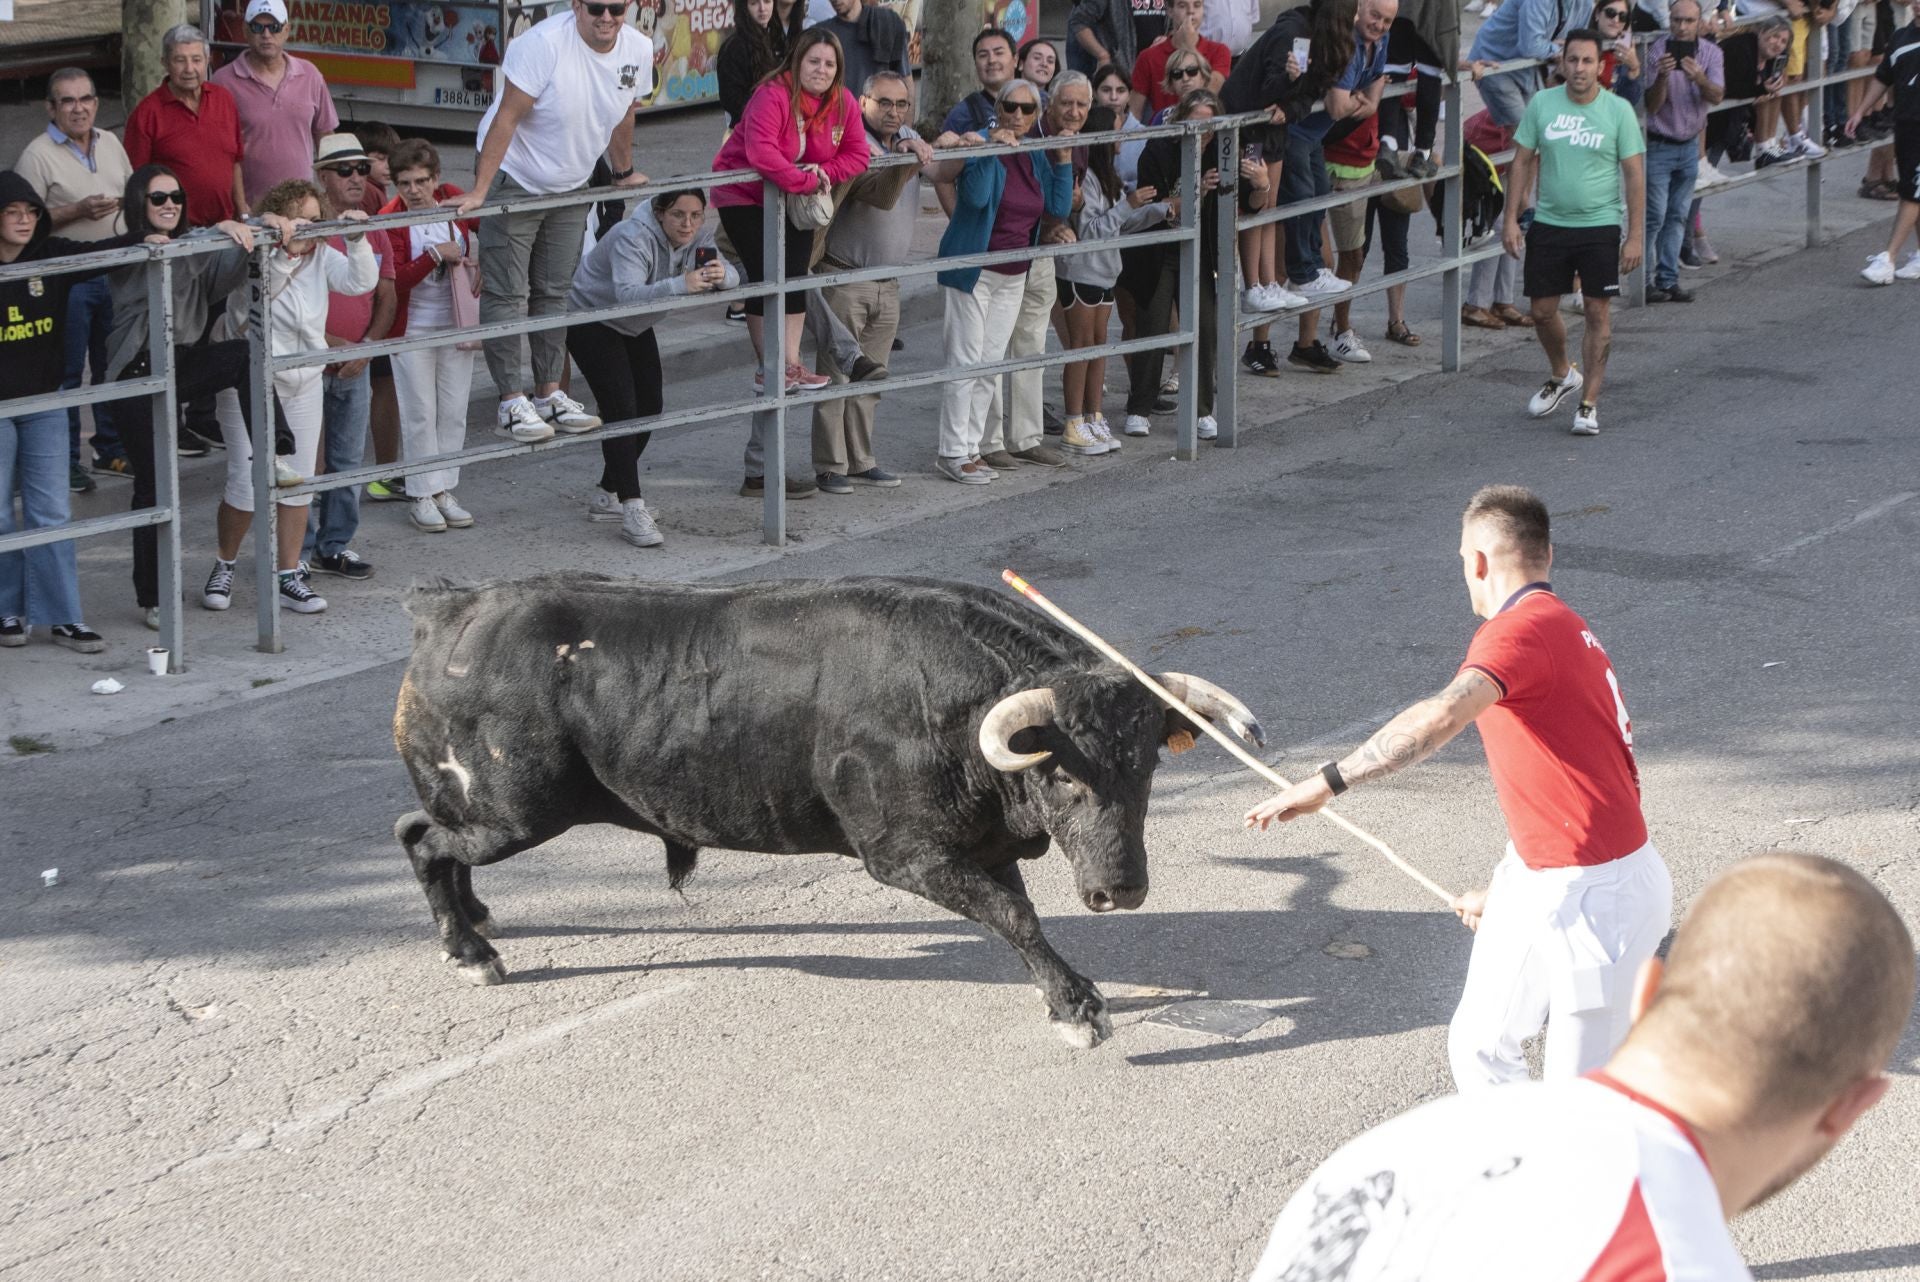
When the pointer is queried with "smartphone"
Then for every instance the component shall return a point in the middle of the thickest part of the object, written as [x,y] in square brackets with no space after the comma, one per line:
[1678,49]
[1775,69]
[704,255]
[1300,50]
[1254,152]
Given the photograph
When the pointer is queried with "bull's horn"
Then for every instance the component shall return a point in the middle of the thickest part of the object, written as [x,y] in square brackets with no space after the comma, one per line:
[1022,711]
[1215,704]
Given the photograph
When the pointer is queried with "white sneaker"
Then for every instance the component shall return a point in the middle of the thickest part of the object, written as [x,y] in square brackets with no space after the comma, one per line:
[1137,425]
[1324,285]
[425,515]
[1208,427]
[636,525]
[1099,426]
[1910,268]
[565,413]
[1170,385]
[1709,177]
[1586,421]
[1548,398]
[1879,270]
[517,420]
[284,474]
[1346,348]
[1801,145]
[603,507]
[1255,298]
[1077,438]
[1284,298]
[455,515]
[963,470]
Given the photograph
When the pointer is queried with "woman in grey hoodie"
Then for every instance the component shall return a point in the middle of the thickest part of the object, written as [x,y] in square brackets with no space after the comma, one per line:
[662,250]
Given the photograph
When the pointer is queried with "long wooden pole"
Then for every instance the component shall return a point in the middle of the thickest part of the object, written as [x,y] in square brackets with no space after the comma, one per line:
[1252,762]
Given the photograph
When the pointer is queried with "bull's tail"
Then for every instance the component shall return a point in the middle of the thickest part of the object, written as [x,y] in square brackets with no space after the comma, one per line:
[681,861]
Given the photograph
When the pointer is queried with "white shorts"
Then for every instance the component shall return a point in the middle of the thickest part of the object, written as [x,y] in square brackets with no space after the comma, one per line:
[302,398]
[1560,947]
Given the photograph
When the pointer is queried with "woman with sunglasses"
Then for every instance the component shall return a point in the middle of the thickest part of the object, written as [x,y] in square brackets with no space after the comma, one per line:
[1619,56]
[999,202]
[156,210]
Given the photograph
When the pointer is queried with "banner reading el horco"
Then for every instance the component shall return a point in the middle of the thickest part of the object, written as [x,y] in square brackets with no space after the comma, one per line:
[420,57]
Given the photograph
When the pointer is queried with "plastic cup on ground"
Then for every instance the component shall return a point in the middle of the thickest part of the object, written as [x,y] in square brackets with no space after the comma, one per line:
[157,660]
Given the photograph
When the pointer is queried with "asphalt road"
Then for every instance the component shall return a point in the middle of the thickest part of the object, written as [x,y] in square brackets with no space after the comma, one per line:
[228,1046]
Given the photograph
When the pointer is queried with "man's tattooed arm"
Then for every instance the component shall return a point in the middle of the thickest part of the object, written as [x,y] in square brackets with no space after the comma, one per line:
[1419,732]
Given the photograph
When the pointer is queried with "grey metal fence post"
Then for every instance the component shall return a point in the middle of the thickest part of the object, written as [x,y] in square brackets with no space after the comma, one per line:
[1814,123]
[770,425]
[1453,239]
[1187,427]
[1226,300]
[266,540]
[166,455]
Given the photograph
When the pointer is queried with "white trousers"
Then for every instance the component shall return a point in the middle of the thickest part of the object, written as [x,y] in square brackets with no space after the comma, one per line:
[1560,946]
[977,329]
[432,386]
[1023,431]
[303,398]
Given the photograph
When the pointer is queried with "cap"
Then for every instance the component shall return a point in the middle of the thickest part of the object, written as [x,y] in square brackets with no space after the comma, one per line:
[275,9]
[335,148]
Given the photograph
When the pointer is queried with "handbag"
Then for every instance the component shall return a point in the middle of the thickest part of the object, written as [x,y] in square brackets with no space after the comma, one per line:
[813,210]
[463,278]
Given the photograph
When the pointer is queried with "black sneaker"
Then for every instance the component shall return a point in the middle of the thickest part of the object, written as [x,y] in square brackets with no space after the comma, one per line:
[754,487]
[347,565]
[1316,358]
[113,465]
[78,636]
[295,595]
[899,346]
[867,370]
[834,483]
[78,482]
[13,630]
[1052,421]
[1259,359]
[1669,294]
[1165,405]
[193,445]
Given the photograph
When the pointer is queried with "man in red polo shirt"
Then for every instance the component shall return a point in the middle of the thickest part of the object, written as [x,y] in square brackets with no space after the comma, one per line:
[1582,897]
[193,128]
[1149,84]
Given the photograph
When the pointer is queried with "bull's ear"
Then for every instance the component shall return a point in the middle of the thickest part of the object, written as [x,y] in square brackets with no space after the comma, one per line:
[1177,733]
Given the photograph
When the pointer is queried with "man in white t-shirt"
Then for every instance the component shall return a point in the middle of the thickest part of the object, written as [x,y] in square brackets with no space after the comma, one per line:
[569,87]
[1762,1040]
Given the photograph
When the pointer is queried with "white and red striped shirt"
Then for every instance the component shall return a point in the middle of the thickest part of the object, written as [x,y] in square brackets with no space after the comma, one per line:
[1570,1181]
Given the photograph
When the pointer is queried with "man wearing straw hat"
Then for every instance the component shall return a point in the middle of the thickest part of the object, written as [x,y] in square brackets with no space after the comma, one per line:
[1581,898]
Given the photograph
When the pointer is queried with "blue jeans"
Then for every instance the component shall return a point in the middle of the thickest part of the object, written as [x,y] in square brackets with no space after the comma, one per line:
[334,518]
[1672,169]
[1303,177]
[1839,47]
[1506,94]
[89,318]
[40,585]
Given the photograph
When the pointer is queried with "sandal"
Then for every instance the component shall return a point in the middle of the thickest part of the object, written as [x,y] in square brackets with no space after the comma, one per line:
[1399,333]
[1480,318]
[1512,315]
[1879,190]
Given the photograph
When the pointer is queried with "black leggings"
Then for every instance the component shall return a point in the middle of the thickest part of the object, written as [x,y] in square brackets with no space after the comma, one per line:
[745,225]
[197,372]
[624,373]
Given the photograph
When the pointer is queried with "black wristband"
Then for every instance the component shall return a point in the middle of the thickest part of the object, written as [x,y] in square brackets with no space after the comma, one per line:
[1331,773]
[623,174]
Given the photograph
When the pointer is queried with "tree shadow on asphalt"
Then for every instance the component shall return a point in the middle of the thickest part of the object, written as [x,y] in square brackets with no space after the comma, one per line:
[1274,961]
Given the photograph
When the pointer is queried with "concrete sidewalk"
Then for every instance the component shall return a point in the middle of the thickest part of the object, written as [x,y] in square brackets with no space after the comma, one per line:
[530,515]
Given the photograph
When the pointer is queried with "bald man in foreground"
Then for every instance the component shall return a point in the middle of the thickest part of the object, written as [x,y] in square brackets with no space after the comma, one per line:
[1762,1040]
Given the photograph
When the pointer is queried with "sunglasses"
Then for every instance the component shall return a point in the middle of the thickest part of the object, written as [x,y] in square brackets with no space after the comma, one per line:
[363,168]
[1185,73]
[1618,15]
[1024,108]
[266,27]
[606,10]
[174,197]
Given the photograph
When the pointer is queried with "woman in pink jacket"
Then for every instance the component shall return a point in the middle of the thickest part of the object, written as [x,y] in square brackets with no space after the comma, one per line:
[802,131]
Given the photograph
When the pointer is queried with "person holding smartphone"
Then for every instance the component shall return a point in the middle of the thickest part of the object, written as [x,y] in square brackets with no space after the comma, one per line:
[663,249]
[1686,79]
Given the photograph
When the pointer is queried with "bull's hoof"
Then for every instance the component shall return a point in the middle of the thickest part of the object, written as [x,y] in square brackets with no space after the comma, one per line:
[483,974]
[1087,1027]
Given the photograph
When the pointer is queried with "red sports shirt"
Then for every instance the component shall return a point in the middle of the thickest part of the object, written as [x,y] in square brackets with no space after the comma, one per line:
[1559,741]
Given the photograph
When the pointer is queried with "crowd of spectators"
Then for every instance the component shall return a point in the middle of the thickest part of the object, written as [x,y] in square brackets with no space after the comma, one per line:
[812,101]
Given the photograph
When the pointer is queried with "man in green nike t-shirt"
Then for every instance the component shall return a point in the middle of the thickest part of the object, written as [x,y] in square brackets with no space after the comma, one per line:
[1584,145]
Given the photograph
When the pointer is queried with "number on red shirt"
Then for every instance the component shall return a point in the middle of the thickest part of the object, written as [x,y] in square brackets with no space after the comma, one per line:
[1620,709]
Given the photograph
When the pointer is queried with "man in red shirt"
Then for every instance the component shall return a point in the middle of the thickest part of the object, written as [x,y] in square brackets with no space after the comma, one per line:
[1582,898]
[193,128]
[1150,92]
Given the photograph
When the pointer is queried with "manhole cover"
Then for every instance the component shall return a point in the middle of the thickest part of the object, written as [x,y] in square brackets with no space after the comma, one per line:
[1217,1018]
[1347,951]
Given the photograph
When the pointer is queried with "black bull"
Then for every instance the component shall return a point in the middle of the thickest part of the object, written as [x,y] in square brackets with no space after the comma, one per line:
[937,732]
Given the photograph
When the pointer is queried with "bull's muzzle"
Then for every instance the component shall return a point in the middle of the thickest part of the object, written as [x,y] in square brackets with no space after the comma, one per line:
[1107,898]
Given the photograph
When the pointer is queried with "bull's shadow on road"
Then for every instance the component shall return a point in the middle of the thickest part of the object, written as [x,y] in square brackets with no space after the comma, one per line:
[1321,972]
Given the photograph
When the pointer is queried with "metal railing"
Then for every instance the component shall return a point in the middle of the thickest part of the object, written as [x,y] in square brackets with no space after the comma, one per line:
[769,408]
